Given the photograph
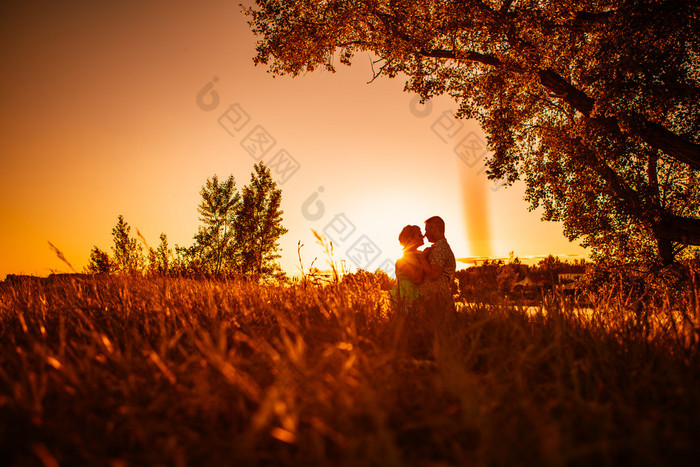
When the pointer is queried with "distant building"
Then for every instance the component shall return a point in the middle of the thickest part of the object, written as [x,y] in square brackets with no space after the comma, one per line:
[531,280]
[569,276]
[571,273]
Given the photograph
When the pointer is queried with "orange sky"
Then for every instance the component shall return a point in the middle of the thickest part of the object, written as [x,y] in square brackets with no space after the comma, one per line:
[100,117]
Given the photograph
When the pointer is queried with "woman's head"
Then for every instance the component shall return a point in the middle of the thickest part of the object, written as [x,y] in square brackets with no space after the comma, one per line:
[411,235]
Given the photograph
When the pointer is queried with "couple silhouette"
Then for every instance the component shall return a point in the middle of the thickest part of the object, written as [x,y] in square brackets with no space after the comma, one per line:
[424,278]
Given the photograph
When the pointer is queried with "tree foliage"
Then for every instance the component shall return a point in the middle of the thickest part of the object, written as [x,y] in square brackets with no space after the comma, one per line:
[127,253]
[239,235]
[100,262]
[240,232]
[214,241]
[187,262]
[258,225]
[159,260]
[595,105]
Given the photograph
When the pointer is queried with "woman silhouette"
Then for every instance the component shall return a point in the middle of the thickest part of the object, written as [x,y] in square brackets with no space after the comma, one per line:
[409,270]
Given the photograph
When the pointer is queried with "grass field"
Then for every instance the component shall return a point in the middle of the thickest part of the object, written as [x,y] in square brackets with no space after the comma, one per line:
[163,371]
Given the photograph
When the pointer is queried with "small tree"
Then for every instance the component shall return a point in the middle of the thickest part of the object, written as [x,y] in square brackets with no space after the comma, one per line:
[128,254]
[506,277]
[215,239]
[258,225]
[187,261]
[159,259]
[100,262]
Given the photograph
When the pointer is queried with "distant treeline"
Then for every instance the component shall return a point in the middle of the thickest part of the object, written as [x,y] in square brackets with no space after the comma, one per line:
[238,236]
[632,285]
[518,280]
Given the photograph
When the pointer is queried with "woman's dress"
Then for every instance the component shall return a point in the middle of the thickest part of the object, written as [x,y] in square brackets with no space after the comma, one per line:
[405,292]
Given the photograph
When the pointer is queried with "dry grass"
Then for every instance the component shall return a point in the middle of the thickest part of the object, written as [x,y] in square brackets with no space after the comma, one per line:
[118,371]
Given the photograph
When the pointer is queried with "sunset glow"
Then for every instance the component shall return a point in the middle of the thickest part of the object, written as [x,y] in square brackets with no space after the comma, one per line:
[126,109]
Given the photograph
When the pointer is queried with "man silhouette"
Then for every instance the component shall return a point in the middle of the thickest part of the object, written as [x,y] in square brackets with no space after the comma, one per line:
[439,266]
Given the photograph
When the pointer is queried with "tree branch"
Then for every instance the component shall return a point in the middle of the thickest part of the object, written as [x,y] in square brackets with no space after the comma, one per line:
[376,74]
[684,230]
[629,199]
[584,18]
[506,6]
[470,56]
[655,135]
[564,90]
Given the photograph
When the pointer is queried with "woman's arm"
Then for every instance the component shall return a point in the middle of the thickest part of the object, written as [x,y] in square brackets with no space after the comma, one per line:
[413,271]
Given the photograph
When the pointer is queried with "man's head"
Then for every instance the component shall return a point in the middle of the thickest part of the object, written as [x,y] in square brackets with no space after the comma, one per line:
[434,229]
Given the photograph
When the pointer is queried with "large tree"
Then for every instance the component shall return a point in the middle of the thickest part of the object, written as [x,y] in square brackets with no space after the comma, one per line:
[259,225]
[594,104]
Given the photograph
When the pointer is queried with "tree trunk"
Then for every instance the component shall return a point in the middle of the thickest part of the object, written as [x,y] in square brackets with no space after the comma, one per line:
[665,247]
